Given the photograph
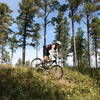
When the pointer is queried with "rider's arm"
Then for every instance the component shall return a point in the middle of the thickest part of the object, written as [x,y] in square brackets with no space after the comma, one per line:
[53,52]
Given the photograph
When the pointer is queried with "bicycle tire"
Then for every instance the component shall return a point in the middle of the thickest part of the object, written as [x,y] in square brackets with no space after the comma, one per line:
[56,71]
[36,62]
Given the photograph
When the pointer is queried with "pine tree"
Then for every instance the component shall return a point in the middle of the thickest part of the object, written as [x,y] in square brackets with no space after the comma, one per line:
[62,33]
[80,45]
[36,38]
[73,7]
[19,62]
[95,32]
[6,57]
[82,48]
[46,8]
[26,24]
[89,7]
[5,23]
[12,43]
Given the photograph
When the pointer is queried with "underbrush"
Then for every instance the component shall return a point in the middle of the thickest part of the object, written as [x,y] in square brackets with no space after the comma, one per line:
[28,84]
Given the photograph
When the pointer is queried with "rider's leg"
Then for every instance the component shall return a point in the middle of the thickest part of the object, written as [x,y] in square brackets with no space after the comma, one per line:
[45,58]
[51,55]
[48,54]
[44,55]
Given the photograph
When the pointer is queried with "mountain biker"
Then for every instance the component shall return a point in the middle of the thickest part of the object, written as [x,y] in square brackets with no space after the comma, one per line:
[51,51]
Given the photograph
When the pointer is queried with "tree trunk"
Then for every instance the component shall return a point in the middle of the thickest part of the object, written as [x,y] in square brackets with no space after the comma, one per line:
[74,45]
[24,45]
[37,50]
[96,53]
[45,29]
[23,49]
[88,36]
[45,22]
[2,48]
[12,51]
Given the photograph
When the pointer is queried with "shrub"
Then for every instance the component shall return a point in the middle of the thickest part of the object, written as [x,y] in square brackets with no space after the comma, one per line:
[26,84]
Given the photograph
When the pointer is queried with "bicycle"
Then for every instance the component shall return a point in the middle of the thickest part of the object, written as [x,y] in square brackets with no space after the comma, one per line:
[51,66]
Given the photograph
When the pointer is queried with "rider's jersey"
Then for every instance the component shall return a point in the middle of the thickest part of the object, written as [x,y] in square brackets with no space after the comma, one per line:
[51,50]
[48,47]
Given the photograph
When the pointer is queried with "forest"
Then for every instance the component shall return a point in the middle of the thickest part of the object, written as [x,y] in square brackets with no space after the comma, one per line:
[36,15]
[76,24]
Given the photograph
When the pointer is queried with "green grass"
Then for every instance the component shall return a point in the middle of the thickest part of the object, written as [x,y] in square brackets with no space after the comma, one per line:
[27,84]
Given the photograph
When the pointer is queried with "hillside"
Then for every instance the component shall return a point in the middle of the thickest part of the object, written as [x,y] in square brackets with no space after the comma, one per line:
[27,84]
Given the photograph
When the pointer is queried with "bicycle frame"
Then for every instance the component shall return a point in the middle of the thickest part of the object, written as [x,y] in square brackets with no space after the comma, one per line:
[49,63]
[57,61]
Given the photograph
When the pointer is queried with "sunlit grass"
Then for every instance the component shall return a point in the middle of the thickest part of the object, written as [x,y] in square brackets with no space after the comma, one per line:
[22,83]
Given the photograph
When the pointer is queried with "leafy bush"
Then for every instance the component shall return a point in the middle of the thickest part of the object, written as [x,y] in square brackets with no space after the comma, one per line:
[26,84]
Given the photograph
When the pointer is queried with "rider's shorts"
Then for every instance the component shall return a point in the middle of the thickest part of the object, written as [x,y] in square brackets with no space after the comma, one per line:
[46,52]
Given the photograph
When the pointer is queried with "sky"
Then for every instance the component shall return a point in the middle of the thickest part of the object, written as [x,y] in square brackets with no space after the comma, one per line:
[30,52]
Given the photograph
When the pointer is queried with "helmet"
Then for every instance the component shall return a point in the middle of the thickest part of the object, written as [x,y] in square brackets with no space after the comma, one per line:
[58,42]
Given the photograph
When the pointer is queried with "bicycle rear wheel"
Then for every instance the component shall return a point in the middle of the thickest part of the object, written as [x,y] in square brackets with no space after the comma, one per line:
[36,62]
[56,71]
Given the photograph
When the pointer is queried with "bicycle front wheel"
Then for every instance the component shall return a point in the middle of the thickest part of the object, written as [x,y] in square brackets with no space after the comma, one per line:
[56,71]
[36,62]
